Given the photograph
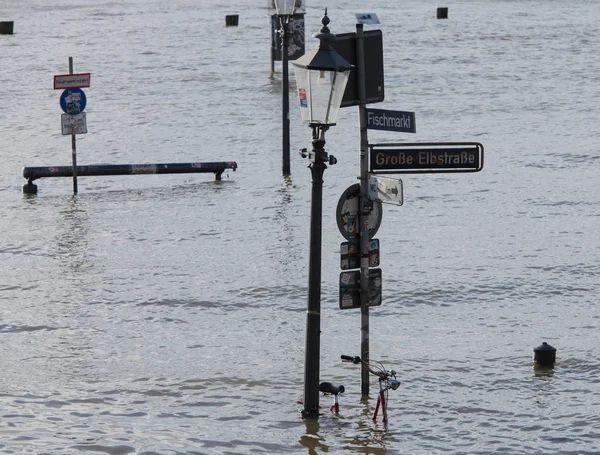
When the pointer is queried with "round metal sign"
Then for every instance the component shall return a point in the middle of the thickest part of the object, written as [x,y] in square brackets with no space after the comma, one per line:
[72,101]
[347,214]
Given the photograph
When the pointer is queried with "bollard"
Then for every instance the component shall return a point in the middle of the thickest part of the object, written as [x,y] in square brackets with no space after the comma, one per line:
[442,13]
[232,20]
[544,355]
[30,188]
[7,28]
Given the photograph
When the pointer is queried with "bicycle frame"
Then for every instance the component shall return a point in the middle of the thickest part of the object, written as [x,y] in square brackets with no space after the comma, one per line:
[387,381]
[382,401]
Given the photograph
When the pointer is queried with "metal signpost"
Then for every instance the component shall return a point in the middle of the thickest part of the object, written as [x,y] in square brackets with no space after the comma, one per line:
[359,210]
[365,85]
[73,102]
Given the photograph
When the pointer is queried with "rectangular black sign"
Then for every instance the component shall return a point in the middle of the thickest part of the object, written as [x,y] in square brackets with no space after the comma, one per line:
[345,45]
[350,289]
[402,122]
[296,44]
[350,254]
[426,158]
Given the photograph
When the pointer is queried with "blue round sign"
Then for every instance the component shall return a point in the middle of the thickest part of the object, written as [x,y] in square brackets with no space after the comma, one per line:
[72,101]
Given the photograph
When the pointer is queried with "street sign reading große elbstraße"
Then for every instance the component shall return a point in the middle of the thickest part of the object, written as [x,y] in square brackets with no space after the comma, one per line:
[426,157]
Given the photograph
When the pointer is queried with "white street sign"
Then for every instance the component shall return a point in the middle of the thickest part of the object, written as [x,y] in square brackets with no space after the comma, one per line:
[386,190]
[73,124]
[65,81]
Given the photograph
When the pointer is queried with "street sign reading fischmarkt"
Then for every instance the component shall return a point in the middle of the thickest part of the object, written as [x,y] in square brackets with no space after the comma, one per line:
[399,121]
[426,157]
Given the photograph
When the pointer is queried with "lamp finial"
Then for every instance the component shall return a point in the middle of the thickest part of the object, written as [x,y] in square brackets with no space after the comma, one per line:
[325,21]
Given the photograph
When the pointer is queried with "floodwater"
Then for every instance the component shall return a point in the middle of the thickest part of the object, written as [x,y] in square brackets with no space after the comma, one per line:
[166,314]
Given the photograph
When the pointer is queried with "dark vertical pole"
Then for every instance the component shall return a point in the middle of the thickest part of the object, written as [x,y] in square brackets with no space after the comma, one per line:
[364,210]
[313,313]
[285,93]
[73,142]
[273,43]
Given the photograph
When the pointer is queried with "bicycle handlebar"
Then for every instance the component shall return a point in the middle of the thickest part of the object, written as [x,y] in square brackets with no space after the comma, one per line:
[381,372]
[348,358]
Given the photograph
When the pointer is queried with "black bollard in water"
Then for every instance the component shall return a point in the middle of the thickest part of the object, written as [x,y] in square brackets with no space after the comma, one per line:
[442,13]
[7,28]
[30,188]
[232,20]
[544,355]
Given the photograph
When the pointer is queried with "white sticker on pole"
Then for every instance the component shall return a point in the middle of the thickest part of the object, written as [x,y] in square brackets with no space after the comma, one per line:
[367,18]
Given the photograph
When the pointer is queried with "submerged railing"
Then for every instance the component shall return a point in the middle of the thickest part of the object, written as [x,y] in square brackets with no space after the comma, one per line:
[34,173]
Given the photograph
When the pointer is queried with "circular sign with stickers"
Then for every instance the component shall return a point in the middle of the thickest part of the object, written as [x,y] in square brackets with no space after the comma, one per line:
[347,214]
[72,101]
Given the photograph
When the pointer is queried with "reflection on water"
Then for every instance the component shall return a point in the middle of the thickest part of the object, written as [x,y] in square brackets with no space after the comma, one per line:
[543,371]
[72,238]
[311,439]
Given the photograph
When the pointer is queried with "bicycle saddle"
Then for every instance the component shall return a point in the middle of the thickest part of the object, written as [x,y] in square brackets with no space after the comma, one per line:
[332,389]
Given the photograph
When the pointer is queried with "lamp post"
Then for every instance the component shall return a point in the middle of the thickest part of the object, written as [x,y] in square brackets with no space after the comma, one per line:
[284,10]
[321,77]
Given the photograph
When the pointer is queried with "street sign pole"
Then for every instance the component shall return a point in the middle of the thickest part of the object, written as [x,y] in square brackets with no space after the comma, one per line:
[364,209]
[73,142]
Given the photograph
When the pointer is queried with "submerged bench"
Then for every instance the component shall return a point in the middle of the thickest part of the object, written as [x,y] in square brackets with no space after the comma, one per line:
[34,173]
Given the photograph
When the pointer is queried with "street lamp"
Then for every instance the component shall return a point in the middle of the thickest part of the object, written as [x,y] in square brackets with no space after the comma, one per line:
[321,77]
[284,10]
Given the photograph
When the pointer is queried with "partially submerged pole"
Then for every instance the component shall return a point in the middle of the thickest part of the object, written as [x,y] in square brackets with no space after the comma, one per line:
[73,143]
[364,209]
[285,93]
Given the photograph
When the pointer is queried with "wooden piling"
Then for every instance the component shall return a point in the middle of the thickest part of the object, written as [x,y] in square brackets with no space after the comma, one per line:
[7,27]
[232,20]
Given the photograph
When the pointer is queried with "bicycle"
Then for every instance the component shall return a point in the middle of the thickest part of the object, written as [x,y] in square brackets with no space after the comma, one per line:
[387,381]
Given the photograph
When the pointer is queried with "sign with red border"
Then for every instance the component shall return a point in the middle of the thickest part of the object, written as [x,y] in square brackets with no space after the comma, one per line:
[65,81]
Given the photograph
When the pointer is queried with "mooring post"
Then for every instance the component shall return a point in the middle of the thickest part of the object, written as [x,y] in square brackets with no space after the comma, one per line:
[6,28]
[30,187]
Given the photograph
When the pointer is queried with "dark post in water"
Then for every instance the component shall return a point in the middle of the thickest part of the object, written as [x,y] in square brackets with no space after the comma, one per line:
[285,93]
[73,142]
[313,313]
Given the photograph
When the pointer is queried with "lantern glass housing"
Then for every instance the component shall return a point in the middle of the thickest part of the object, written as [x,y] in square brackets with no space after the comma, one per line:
[320,92]
[321,78]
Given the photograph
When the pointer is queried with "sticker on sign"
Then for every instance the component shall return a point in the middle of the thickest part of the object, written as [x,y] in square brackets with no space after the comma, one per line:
[64,81]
